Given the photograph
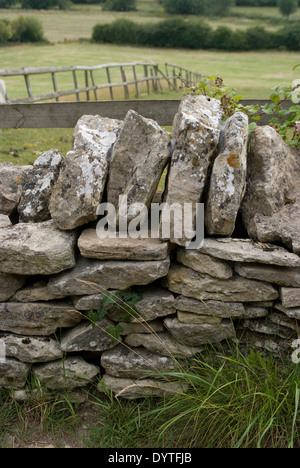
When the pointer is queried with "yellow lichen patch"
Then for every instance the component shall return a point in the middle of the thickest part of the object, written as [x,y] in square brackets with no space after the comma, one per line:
[233,160]
[18,180]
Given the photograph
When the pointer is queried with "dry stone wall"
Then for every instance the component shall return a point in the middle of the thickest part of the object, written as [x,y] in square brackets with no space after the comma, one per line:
[241,285]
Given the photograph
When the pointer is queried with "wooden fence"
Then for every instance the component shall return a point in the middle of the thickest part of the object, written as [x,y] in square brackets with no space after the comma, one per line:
[131,77]
[67,114]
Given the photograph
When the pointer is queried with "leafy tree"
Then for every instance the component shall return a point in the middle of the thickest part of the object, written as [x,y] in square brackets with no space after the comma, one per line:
[7,3]
[287,7]
[184,7]
[120,5]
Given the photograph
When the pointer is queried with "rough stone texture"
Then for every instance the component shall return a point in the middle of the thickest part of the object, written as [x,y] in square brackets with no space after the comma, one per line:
[252,312]
[185,281]
[290,297]
[88,337]
[37,318]
[31,349]
[145,327]
[269,343]
[282,320]
[161,343]
[271,204]
[293,313]
[132,389]
[156,302]
[4,221]
[204,263]
[36,249]
[210,308]
[188,317]
[245,250]
[9,284]
[269,327]
[106,274]
[81,182]
[37,190]
[36,292]
[91,246]
[191,334]
[13,374]
[283,276]
[137,363]
[137,163]
[228,178]
[196,131]
[12,179]
[69,373]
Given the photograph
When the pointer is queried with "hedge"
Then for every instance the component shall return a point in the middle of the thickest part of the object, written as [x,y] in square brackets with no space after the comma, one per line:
[181,33]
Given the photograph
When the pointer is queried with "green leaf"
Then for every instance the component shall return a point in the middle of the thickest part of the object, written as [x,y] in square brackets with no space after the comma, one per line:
[252,126]
[255,117]
[101,313]
[115,332]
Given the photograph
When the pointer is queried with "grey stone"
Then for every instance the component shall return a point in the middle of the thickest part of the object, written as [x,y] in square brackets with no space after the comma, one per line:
[228,178]
[34,202]
[271,204]
[188,282]
[12,179]
[138,159]
[13,374]
[9,284]
[36,292]
[271,344]
[91,246]
[204,263]
[91,276]
[283,320]
[162,343]
[211,308]
[5,221]
[144,327]
[156,302]
[36,249]
[290,297]
[191,334]
[88,337]
[293,312]
[283,276]
[37,318]
[254,311]
[82,178]
[188,317]
[31,349]
[69,373]
[137,363]
[196,131]
[245,250]
[132,389]
[269,327]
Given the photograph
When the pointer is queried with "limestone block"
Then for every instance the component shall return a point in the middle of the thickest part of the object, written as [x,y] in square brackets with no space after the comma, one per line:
[293,312]
[9,284]
[36,249]
[35,292]
[82,178]
[290,297]
[88,337]
[31,349]
[283,276]
[228,178]
[205,264]
[37,190]
[13,374]
[12,179]
[210,307]
[92,276]
[4,221]
[162,343]
[138,159]
[196,131]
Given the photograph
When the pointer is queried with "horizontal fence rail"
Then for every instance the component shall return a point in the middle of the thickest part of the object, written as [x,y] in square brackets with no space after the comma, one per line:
[86,83]
[67,114]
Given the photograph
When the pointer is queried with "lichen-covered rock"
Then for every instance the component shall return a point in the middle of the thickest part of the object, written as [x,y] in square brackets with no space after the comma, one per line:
[137,363]
[5,221]
[190,283]
[31,349]
[88,337]
[13,373]
[37,190]
[92,276]
[9,284]
[210,307]
[91,246]
[192,334]
[138,159]
[205,264]
[36,249]
[35,292]
[162,343]
[131,389]
[196,131]
[290,297]
[37,318]
[271,206]
[12,179]
[284,276]
[228,178]
[69,373]
[245,250]
[82,178]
